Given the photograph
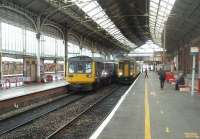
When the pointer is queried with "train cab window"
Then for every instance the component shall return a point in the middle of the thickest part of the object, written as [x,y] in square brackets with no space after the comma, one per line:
[80,67]
[88,68]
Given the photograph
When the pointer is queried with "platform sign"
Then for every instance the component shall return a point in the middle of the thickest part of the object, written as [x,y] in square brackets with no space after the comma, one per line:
[194,50]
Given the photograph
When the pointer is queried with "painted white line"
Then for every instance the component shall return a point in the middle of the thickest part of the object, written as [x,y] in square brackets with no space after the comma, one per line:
[107,120]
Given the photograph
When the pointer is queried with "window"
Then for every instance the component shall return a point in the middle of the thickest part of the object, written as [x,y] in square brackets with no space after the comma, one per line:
[80,67]
[12,38]
[88,68]
[73,49]
[31,42]
[19,40]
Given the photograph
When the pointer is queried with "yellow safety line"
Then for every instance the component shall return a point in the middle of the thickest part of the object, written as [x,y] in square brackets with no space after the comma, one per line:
[147,115]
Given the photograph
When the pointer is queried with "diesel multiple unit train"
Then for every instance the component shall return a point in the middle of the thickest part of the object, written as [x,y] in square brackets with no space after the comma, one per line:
[127,70]
[85,73]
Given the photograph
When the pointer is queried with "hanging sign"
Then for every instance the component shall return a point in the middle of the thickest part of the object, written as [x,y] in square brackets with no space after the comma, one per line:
[194,50]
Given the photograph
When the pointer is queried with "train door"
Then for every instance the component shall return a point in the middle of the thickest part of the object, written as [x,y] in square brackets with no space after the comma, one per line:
[121,69]
[126,69]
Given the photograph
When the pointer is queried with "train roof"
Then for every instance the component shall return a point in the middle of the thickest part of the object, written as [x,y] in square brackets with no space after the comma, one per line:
[86,58]
[80,58]
[127,59]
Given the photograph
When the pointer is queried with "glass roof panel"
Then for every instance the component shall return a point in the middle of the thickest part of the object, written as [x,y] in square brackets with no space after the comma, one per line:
[117,32]
[106,25]
[156,1]
[112,31]
[171,1]
[97,15]
[110,27]
[159,13]
[154,5]
[154,9]
[90,6]
[163,4]
[95,11]
[103,21]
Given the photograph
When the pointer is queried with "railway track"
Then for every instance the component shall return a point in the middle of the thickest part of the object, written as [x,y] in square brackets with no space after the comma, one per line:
[26,117]
[42,122]
[58,132]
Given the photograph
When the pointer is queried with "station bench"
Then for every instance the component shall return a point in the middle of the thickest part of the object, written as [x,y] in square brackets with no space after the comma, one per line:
[184,88]
[172,80]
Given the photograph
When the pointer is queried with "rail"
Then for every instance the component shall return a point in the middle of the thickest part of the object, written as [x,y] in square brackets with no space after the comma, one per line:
[26,117]
[58,131]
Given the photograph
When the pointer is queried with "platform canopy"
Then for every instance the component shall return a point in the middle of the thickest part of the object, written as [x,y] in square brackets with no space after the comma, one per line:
[131,18]
[183,28]
[148,49]
[115,24]
[97,13]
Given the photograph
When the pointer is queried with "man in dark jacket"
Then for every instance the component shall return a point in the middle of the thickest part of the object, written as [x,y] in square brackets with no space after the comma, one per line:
[146,74]
[162,78]
[180,81]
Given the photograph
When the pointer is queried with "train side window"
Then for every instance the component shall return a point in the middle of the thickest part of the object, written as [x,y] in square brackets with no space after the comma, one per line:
[80,68]
[132,66]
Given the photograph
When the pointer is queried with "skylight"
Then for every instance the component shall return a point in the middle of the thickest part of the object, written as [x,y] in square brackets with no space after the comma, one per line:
[159,13]
[148,49]
[97,14]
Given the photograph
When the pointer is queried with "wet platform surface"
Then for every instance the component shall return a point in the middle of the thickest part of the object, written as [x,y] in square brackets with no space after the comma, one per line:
[148,112]
[29,89]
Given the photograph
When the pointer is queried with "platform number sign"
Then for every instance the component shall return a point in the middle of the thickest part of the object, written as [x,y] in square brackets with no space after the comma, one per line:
[194,50]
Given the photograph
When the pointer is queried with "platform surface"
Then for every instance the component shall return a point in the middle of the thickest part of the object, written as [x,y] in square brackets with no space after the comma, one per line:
[164,114]
[29,89]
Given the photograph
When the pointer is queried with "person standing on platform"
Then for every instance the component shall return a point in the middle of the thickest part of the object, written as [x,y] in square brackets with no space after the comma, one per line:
[146,74]
[162,78]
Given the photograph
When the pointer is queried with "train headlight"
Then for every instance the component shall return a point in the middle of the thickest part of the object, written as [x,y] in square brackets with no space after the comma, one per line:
[104,73]
[120,73]
[131,73]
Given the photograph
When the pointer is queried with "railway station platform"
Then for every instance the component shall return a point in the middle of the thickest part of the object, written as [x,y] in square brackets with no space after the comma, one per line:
[146,111]
[6,94]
